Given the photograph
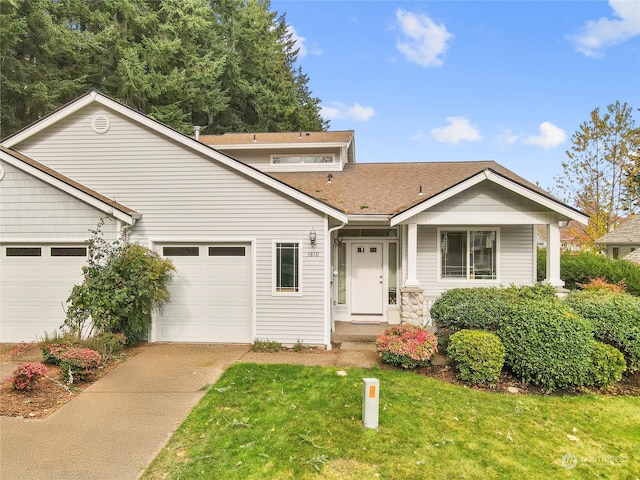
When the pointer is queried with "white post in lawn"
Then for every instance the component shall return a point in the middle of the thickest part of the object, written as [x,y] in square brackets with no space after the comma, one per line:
[370,402]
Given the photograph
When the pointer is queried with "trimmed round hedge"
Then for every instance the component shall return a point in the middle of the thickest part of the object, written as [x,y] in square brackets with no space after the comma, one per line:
[607,365]
[479,356]
[615,318]
[482,308]
[547,343]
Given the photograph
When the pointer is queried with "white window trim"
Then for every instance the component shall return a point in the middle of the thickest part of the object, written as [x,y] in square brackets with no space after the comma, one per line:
[467,280]
[274,270]
[302,155]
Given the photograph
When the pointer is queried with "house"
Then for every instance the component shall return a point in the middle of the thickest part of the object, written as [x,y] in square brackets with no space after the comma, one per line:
[622,240]
[274,235]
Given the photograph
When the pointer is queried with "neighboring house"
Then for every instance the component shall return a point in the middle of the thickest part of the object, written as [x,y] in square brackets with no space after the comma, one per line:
[623,240]
[274,236]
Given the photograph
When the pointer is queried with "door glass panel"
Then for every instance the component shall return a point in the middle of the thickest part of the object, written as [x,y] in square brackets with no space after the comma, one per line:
[24,252]
[180,251]
[393,274]
[342,274]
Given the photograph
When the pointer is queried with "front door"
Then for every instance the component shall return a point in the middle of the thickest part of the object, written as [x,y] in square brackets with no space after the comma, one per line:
[366,279]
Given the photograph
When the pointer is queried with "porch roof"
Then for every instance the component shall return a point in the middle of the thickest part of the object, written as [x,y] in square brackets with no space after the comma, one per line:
[390,188]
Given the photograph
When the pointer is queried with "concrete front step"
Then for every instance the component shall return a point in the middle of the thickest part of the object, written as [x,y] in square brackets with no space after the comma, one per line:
[353,332]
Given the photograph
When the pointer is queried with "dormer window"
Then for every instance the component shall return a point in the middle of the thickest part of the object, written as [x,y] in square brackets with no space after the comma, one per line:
[301,159]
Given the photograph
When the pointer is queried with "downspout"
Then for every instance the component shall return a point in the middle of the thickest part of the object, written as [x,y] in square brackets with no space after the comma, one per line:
[330,326]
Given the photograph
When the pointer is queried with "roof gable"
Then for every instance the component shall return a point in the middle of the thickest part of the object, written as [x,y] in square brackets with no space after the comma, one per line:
[170,133]
[73,188]
[628,232]
[401,190]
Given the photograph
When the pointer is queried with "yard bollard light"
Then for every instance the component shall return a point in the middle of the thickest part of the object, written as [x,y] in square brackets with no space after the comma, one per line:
[370,402]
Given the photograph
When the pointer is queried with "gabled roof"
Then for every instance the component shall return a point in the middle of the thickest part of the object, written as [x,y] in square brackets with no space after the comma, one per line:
[73,188]
[627,233]
[278,138]
[393,189]
[95,96]
[633,256]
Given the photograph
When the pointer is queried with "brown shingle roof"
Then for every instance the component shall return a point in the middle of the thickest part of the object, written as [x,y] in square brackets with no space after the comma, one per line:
[68,181]
[389,188]
[628,232]
[277,137]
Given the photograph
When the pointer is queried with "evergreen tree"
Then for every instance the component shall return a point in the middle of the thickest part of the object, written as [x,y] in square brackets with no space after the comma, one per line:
[227,65]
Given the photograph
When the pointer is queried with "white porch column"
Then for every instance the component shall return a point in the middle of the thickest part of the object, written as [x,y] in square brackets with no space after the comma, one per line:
[412,256]
[553,255]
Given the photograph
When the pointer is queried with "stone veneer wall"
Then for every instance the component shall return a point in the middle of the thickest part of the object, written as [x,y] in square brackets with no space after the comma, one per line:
[412,305]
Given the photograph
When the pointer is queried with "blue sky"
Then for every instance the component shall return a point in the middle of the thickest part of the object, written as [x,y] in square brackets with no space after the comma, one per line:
[509,81]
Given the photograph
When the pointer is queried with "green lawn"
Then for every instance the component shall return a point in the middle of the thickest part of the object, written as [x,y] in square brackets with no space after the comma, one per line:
[283,421]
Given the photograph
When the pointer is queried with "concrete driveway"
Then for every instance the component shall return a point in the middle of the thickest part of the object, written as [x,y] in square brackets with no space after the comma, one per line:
[116,427]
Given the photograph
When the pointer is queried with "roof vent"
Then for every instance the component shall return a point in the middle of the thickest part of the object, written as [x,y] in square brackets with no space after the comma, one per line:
[100,124]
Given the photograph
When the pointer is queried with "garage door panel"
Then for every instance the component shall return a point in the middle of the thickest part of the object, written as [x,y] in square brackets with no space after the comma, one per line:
[33,293]
[210,299]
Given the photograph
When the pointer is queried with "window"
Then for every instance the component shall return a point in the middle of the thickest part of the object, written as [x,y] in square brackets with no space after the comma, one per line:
[393,274]
[181,251]
[468,254]
[24,252]
[68,251]
[615,252]
[342,273]
[300,159]
[227,251]
[287,268]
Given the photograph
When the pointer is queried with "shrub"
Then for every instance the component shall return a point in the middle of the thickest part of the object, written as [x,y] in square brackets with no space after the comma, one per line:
[469,308]
[615,318]
[407,346]
[479,356]
[581,268]
[600,283]
[78,363]
[123,285]
[482,308]
[107,344]
[546,343]
[266,346]
[25,376]
[51,351]
[607,365]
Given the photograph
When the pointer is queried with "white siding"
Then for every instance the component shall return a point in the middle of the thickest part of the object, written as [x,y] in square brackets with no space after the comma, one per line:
[184,196]
[515,260]
[32,209]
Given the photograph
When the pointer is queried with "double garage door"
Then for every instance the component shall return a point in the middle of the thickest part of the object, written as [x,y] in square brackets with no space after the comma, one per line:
[35,282]
[210,293]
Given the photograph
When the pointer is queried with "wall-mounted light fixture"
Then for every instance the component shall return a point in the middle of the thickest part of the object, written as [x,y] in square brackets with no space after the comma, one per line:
[329,177]
[312,236]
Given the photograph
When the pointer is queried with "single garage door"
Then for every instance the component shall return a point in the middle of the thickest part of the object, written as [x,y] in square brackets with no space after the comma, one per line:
[210,294]
[35,282]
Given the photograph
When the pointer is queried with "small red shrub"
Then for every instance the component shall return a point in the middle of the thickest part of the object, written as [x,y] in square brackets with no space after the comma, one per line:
[25,376]
[407,346]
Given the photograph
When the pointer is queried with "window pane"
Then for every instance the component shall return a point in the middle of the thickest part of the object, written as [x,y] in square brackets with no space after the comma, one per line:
[287,267]
[24,252]
[180,251]
[483,255]
[318,159]
[453,246]
[393,275]
[342,273]
[68,251]
[287,159]
[226,251]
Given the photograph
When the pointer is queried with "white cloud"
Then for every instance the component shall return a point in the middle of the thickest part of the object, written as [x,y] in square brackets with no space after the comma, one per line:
[596,35]
[550,136]
[458,130]
[301,45]
[424,41]
[340,111]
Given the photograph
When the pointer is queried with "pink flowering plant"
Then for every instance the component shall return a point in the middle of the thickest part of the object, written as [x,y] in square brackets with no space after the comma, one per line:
[26,375]
[79,363]
[407,346]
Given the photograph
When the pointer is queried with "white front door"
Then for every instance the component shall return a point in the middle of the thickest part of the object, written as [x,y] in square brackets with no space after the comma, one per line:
[366,279]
